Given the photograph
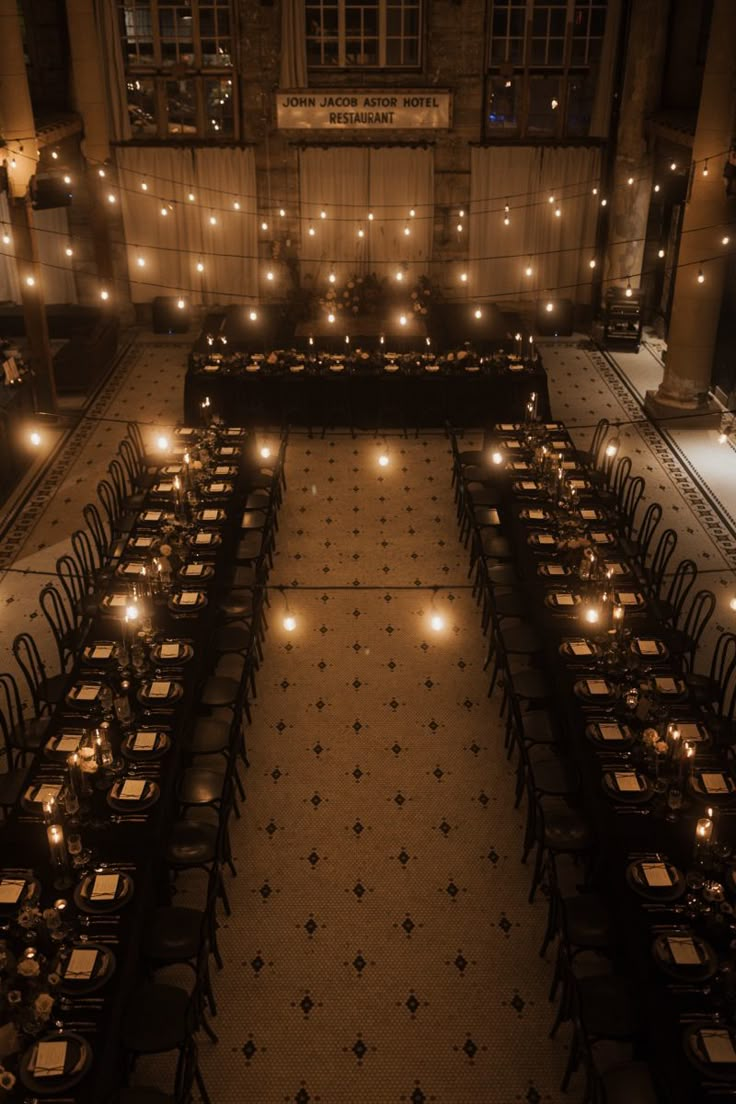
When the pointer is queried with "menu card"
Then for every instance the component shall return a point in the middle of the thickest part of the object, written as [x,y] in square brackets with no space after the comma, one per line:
[216,488]
[87,693]
[164,488]
[578,484]
[554,569]
[536,515]
[610,731]
[718,1045]
[145,741]
[104,887]
[134,568]
[647,647]
[68,743]
[580,648]
[143,542]
[714,782]
[132,789]
[597,686]
[222,469]
[589,515]
[188,598]
[569,465]
[47,793]
[627,780]
[599,538]
[615,568]
[690,731]
[209,515]
[117,600]
[564,599]
[159,689]
[528,485]
[666,685]
[683,950]
[49,1059]
[10,890]
[545,538]
[628,598]
[656,874]
[151,515]
[194,569]
[101,651]
[203,538]
[81,963]
[170,651]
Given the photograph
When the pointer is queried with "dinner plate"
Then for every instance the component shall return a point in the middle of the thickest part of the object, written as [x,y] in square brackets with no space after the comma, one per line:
[579,650]
[542,540]
[684,955]
[77,1062]
[90,905]
[594,690]
[38,794]
[131,569]
[196,571]
[212,516]
[616,783]
[667,687]
[101,653]
[21,890]
[390,367]
[641,873]
[649,648]
[172,652]
[705,784]
[150,517]
[204,539]
[606,733]
[64,743]
[252,367]
[527,487]
[184,607]
[103,968]
[160,692]
[534,513]
[218,489]
[149,795]
[562,601]
[711,1048]
[602,537]
[552,570]
[135,745]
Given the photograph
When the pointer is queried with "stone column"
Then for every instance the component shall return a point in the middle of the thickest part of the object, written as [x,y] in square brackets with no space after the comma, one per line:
[629,203]
[21,159]
[696,306]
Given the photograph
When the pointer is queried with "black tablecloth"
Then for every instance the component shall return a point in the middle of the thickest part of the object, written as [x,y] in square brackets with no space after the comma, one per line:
[139,845]
[365,398]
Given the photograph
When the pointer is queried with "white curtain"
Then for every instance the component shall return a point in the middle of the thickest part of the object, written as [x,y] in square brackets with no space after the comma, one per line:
[172,245]
[601,114]
[51,231]
[108,34]
[293,45]
[9,282]
[558,249]
[349,182]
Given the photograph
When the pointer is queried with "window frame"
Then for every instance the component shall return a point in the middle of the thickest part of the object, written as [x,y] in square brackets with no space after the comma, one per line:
[522,71]
[161,71]
[343,35]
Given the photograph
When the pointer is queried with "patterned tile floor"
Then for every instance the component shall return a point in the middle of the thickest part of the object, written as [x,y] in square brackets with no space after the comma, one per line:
[381,947]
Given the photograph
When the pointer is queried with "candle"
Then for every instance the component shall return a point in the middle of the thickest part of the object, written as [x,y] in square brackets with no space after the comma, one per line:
[704,830]
[57,854]
[533,400]
[74,768]
[618,621]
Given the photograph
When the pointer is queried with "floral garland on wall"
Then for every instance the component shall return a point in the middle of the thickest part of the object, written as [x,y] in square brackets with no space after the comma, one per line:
[373,295]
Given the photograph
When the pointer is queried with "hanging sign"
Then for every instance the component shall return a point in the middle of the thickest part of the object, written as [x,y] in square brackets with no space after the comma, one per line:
[381,109]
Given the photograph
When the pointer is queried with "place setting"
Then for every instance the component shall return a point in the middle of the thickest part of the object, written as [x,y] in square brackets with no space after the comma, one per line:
[85,967]
[626,785]
[143,745]
[104,892]
[655,879]
[683,955]
[131,794]
[156,691]
[187,603]
[55,1063]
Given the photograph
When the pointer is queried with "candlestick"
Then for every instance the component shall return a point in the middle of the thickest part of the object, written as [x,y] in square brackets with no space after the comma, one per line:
[704,830]
[533,400]
[618,621]
[57,855]
[74,767]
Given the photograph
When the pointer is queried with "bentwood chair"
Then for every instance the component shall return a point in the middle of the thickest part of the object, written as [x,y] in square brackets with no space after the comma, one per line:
[67,633]
[72,582]
[187,1074]
[159,1019]
[683,640]
[46,690]
[637,547]
[654,574]
[23,735]
[709,688]
[592,455]
[125,490]
[138,477]
[668,606]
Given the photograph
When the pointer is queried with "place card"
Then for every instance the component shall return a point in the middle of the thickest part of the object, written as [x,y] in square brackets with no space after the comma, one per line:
[104,887]
[117,600]
[46,793]
[714,782]
[545,538]
[690,732]
[614,567]
[188,598]
[580,648]
[68,743]
[536,515]
[597,686]
[656,874]
[10,890]
[627,781]
[142,542]
[647,647]
[683,950]
[170,651]
[86,693]
[216,488]
[194,569]
[159,689]
[203,538]
[81,963]
[132,789]
[564,599]
[101,651]
[589,515]
[164,488]
[610,731]
[628,598]
[152,515]
[718,1045]
[145,741]
[210,515]
[554,569]
[50,1059]
[666,685]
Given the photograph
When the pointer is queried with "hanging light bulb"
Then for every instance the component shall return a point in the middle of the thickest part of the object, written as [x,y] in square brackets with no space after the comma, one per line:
[311,231]
[361,232]
[612,447]
[383,460]
[6,237]
[478,313]
[69,251]
[549,307]
[323,214]
[104,294]
[725,239]
[506,217]
[437,622]
[110,197]
[213,220]
[236,205]
[264,226]
[629,290]
[412,213]
[13,163]
[558,212]
[67,179]
[289,622]
[705,167]
[30,281]
[35,438]
[370,216]
[604,203]
[399,275]
[140,261]
[722,438]
[464,277]
[200,266]
[497,457]
[551,199]
[701,276]
[269,274]
[407,231]
[282,212]
[656,187]
[332,277]
[191,197]
[253,315]
[660,253]
[673,166]
[592,262]
[595,191]
[554,104]
[330,317]
[144,185]
[528,270]
[630,181]
[164,212]
[101,172]
[55,155]
[265,452]
[459,228]
[402,319]
[180,304]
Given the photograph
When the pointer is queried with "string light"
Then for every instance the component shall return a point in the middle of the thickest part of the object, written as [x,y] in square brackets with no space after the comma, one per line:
[55,155]
[164,212]
[412,213]
[629,290]
[630,181]
[67,179]
[311,231]
[402,319]
[282,212]
[705,167]
[361,232]
[461,213]
[725,239]
[595,191]
[604,203]
[528,271]
[558,212]
[332,277]
[200,266]
[264,226]
[407,231]
[592,262]
[180,304]
[370,216]
[506,217]
[323,214]
[253,315]
[69,251]
[656,187]
[673,166]
[101,172]
[236,205]
[30,281]
[140,261]
[478,312]
[464,277]
[701,276]
[213,220]
[104,294]
[191,197]
[144,185]
[551,199]
[111,197]
[549,307]
[269,274]
[459,228]
[660,253]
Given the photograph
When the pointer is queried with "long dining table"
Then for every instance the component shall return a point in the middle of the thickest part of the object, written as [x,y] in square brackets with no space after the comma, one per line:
[126,715]
[656,786]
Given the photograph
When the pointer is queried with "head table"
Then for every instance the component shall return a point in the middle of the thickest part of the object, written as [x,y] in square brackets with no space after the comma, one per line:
[81,854]
[363,388]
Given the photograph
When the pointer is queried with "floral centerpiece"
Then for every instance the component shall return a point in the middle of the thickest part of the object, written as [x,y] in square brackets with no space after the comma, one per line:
[359,295]
[421,296]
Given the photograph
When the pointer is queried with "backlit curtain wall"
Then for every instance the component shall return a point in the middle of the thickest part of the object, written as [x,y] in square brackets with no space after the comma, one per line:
[558,249]
[52,238]
[172,245]
[349,182]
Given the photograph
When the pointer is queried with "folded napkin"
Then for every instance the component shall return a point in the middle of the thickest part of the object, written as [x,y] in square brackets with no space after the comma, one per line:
[666,685]
[132,789]
[104,887]
[194,569]
[222,469]
[47,793]
[683,950]
[718,1045]
[628,598]
[117,600]
[170,651]
[164,488]
[203,538]
[151,515]
[545,538]
[714,782]
[209,515]
[87,693]
[134,568]
[145,741]
[627,781]
[68,743]
[564,599]
[528,485]
[656,874]
[597,686]
[81,963]
[188,598]
[216,488]
[10,890]
[554,569]
[143,542]
[536,515]
[589,515]
[690,732]
[610,731]
[49,1059]
[580,648]
[101,651]
[647,647]
[159,689]
[599,538]
[615,568]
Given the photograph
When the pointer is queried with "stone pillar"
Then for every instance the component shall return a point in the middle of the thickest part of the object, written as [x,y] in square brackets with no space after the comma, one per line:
[21,158]
[696,306]
[629,203]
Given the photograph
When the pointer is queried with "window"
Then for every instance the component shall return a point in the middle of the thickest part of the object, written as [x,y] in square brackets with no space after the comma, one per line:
[367,34]
[179,70]
[543,58]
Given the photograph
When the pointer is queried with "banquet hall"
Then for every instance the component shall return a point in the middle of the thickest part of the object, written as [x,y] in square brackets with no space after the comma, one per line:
[368,551]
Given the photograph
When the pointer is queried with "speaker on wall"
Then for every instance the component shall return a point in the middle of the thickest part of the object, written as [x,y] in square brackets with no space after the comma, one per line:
[49,191]
[170,314]
[554,318]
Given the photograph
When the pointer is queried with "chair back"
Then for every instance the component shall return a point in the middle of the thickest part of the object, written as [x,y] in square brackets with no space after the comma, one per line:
[60,621]
[136,440]
[119,481]
[647,529]
[723,664]
[12,721]
[662,555]
[100,538]
[110,502]
[29,660]
[698,616]
[130,460]
[621,472]
[596,444]
[629,499]
[681,583]
[71,578]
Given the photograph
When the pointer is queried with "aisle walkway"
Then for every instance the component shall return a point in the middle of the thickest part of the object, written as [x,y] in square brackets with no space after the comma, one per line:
[381,947]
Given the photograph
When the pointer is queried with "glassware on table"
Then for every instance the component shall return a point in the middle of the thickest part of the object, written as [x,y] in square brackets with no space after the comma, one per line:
[674,801]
